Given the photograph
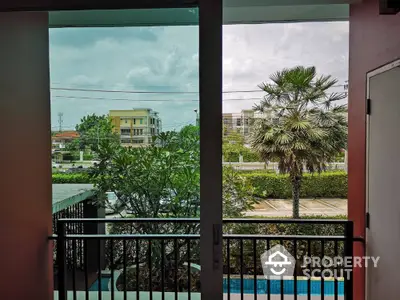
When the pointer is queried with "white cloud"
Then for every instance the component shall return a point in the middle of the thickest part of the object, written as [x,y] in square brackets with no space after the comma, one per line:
[166,59]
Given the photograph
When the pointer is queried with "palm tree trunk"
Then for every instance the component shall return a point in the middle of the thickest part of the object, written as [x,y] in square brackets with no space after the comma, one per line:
[296,183]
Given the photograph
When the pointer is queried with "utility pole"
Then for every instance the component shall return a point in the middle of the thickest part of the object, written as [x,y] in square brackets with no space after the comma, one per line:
[197,117]
[60,121]
[98,136]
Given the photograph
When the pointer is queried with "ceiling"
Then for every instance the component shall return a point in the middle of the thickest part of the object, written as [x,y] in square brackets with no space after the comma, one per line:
[235,12]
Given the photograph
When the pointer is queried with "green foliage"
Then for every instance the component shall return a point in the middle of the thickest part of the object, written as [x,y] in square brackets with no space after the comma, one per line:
[71,178]
[282,229]
[237,194]
[340,157]
[263,184]
[88,156]
[68,156]
[92,130]
[73,145]
[233,146]
[161,179]
[302,126]
[325,184]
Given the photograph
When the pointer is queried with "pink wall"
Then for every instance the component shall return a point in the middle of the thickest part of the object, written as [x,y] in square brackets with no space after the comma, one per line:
[25,154]
[374,41]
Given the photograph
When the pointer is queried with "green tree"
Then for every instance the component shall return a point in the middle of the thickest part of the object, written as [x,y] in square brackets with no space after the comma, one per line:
[162,180]
[233,146]
[74,145]
[306,129]
[92,129]
[237,194]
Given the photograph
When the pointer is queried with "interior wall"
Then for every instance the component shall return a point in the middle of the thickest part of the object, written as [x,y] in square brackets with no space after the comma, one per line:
[374,41]
[25,158]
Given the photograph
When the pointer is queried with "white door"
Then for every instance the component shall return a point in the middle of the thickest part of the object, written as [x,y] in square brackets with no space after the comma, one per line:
[383,181]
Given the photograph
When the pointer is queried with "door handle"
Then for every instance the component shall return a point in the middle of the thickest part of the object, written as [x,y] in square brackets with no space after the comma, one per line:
[217,229]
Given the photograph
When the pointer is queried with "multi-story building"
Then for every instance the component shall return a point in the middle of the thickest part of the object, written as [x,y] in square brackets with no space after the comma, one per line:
[240,122]
[137,126]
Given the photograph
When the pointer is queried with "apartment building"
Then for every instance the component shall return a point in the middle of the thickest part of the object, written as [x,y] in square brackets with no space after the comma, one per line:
[137,126]
[240,122]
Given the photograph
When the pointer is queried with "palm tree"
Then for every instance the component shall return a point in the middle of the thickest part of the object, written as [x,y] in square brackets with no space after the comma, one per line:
[300,125]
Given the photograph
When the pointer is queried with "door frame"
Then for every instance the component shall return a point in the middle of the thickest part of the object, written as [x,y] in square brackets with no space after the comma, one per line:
[210,63]
[382,69]
[210,81]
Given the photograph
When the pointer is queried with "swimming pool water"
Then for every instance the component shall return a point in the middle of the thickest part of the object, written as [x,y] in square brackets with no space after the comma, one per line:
[288,286]
[262,286]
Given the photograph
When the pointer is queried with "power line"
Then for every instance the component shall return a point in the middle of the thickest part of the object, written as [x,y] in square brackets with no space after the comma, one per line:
[155,92]
[154,100]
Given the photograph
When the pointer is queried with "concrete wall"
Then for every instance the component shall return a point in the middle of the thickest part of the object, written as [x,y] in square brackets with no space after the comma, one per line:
[374,41]
[25,214]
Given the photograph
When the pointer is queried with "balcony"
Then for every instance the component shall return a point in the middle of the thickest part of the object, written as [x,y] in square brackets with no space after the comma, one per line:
[91,263]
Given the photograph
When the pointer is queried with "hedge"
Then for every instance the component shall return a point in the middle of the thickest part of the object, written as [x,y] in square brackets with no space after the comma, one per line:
[237,262]
[326,184]
[266,185]
[71,178]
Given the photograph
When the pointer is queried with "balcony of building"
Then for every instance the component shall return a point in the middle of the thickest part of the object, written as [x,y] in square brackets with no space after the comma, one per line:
[160,259]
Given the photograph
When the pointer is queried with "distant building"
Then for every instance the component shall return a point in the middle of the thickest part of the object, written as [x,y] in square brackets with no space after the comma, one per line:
[240,122]
[61,139]
[136,127]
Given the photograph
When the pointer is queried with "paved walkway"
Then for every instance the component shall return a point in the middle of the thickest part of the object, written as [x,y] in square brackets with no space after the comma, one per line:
[308,207]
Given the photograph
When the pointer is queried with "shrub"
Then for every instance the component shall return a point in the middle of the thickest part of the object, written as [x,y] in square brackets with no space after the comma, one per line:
[282,229]
[71,178]
[88,156]
[235,265]
[326,184]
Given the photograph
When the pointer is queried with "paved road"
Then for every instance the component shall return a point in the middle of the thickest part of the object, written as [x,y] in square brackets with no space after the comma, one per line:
[309,207]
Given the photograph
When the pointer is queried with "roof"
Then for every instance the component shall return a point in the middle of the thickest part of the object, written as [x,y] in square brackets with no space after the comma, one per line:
[66,135]
[65,195]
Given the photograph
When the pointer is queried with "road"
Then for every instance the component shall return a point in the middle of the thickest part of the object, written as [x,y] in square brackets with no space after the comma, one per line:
[308,207]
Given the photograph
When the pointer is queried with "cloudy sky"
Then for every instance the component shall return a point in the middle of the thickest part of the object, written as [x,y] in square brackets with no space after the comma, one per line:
[165,60]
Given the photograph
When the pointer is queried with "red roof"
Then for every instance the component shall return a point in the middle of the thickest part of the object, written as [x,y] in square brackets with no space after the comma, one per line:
[66,135]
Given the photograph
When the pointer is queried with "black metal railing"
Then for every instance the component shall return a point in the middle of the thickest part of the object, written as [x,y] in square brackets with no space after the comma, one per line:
[142,257]
[75,211]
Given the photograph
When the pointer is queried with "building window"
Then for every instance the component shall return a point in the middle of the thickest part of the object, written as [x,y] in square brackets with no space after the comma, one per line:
[126,121]
[141,121]
[138,141]
[134,121]
[125,131]
[246,121]
[238,122]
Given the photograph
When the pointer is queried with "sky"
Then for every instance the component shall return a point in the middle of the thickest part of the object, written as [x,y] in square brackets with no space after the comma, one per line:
[165,60]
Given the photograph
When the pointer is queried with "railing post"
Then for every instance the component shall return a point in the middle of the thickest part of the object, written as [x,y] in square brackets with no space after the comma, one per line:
[61,262]
[90,210]
[348,252]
